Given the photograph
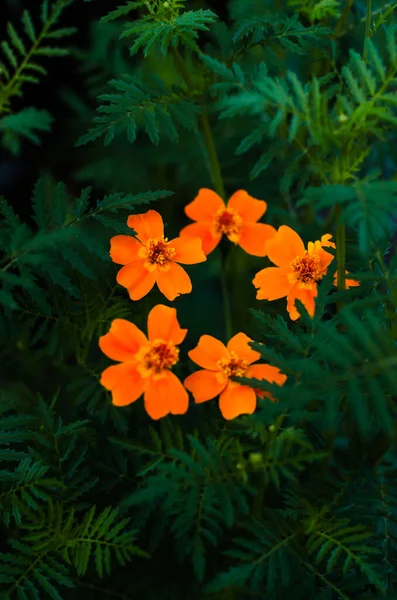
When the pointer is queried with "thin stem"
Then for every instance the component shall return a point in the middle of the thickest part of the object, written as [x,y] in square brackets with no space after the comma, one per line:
[343,17]
[367,27]
[212,154]
[205,129]
[218,184]
[340,251]
[226,298]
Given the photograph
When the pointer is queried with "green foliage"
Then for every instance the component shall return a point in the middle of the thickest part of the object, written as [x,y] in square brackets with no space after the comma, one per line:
[165,25]
[315,10]
[20,63]
[293,101]
[201,491]
[20,55]
[155,107]
[26,123]
[61,224]
[368,207]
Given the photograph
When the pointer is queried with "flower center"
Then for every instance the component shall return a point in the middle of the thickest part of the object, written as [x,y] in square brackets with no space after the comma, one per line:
[228,222]
[233,366]
[307,268]
[156,357]
[157,251]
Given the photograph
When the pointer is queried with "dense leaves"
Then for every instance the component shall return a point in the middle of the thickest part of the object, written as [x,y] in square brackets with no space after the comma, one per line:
[294,101]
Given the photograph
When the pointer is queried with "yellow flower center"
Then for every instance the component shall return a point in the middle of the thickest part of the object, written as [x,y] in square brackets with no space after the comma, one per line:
[306,268]
[157,252]
[156,357]
[233,366]
[228,222]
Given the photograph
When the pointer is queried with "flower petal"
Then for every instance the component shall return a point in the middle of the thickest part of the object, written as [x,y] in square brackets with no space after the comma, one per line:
[163,324]
[248,208]
[164,396]
[204,385]
[124,382]
[174,281]
[137,279]
[189,250]
[351,283]
[284,246]
[269,373]
[348,282]
[306,296]
[272,283]
[237,400]
[204,206]
[208,352]
[204,231]
[325,259]
[239,344]
[124,249]
[147,225]
[254,237]
[325,240]
[123,340]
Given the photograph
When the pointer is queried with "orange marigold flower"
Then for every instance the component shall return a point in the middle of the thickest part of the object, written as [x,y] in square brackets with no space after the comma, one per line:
[237,220]
[297,270]
[145,363]
[151,258]
[219,364]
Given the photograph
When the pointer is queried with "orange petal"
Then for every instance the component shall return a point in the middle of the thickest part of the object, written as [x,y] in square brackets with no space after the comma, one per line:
[123,340]
[189,250]
[269,373]
[348,282]
[147,225]
[124,249]
[174,281]
[163,324]
[325,240]
[254,238]
[237,400]
[351,283]
[208,352]
[306,296]
[204,206]
[137,279]
[204,385]
[272,283]
[325,259]
[164,396]
[124,382]
[284,246]
[239,344]
[248,208]
[203,230]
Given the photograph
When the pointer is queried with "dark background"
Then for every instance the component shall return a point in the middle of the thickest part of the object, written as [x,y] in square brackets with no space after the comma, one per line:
[56,153]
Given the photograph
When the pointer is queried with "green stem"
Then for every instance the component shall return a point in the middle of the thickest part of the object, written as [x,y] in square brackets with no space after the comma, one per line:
[340,24]
[226,298]
[367,27]
[340,251]
[212,154]
[205,129]
[218,185]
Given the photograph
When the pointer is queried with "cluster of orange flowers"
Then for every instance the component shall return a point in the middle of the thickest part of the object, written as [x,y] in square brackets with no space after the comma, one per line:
[145,362]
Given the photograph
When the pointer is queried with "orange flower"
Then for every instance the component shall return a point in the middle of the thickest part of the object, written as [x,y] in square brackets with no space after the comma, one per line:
[145,364]
[151,258]
[219,364]
[297,271]
[237,220]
